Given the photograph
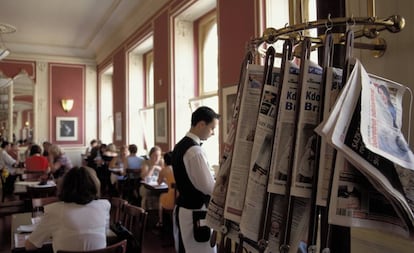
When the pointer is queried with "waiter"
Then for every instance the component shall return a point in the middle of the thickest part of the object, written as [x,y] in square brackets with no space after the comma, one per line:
[194,183]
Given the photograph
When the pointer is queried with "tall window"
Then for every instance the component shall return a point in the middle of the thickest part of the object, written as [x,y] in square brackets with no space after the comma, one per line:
[289,12]
[208,55]
[208,76]
[106,126]
[196,28]
[141,96]
[147,113]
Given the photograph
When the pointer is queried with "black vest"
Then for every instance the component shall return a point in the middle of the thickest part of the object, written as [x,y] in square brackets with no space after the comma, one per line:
[189,197]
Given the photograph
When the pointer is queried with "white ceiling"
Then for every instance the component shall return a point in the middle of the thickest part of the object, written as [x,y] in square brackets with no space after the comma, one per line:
[72,28]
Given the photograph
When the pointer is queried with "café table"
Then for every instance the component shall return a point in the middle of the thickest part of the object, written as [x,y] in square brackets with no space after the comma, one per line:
[154,186]
[20,230]
[20,187]
[24,220]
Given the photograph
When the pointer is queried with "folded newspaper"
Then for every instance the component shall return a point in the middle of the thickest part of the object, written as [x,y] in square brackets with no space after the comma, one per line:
[365,128]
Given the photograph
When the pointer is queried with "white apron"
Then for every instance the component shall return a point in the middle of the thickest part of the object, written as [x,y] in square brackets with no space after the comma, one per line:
[186,226]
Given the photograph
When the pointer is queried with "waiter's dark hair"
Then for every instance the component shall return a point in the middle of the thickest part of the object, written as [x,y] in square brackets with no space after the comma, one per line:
[203,113]
[79,186]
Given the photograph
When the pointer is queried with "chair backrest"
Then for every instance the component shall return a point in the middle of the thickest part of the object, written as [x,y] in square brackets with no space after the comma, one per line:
[119,247]
[133,173]
[41,192]
[117,209]
[136,222]
[32,175]
[3,183]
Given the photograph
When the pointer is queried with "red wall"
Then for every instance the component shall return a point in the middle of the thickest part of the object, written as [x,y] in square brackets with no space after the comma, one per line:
[161,64]
[11,68]
[66,81]
[235,29]
[119,90]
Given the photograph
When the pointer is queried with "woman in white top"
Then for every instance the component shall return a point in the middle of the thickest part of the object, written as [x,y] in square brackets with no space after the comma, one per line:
[79,221]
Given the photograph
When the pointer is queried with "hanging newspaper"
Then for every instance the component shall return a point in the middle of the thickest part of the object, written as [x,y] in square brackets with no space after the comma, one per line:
[355,202]
[333,86]
[243,143]
[345,134]
[282,145]
[256,191]
[215,212]
[308,119]
[299,224]
[381,120]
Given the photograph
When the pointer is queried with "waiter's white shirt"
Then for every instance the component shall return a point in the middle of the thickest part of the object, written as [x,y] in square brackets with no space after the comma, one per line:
[198,168]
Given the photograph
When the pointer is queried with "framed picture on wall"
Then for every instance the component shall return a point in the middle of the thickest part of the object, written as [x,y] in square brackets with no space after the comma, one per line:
[66,128]
[161,122]
[118,126]
[229,99]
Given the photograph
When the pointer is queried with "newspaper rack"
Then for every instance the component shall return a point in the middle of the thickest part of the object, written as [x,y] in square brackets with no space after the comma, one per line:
[370,27]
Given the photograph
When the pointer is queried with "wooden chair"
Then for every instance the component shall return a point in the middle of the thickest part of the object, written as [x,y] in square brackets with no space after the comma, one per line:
[117,212]
[136,222]
[119,247]
[41,192]
[32,175]
[132,184]
[3,185]
[11,207]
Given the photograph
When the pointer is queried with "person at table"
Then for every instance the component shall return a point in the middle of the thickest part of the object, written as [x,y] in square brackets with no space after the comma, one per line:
[8,167]
[93,143]
[46,145]
[14,151]
[117,169]
[59,162]
[194,183]
[167,200]
[107,154]
[134,162]
[79,220]
[149,172]
[133,177]
[36,162]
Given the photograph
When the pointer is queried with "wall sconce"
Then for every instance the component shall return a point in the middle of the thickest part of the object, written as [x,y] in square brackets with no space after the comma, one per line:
[67,104]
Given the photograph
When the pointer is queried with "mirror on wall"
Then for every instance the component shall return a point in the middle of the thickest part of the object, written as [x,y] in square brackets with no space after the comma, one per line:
[23,116]
[4,112]
[16,115]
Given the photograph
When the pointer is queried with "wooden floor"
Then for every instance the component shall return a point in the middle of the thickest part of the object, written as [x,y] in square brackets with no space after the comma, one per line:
[154,240]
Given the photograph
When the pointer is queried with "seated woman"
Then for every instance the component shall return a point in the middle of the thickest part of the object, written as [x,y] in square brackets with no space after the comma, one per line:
[167,200]
[108,152]
[117,169]
[59,162]
[149,172]
[36,162]
[79,220]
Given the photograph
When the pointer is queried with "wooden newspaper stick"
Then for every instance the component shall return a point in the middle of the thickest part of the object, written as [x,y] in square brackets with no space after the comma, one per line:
[284,244]
[266,225]
[314,211]
[329,231]
[268,70]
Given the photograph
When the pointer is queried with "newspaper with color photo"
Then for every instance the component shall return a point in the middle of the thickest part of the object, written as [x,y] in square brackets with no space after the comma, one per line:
[343,130]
